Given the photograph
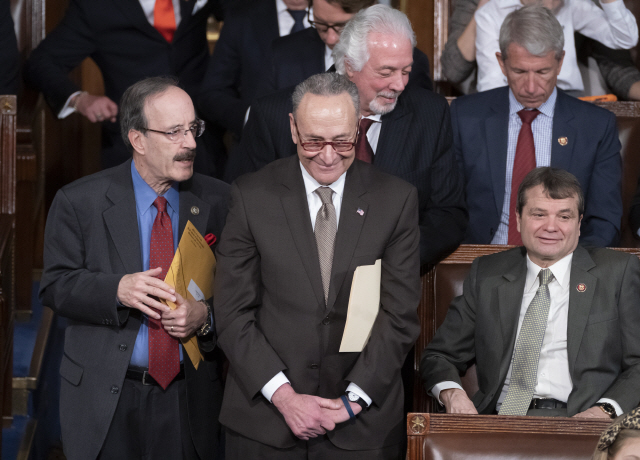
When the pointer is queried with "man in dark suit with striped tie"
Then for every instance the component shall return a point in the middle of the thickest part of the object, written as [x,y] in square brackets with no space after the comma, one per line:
[409,132]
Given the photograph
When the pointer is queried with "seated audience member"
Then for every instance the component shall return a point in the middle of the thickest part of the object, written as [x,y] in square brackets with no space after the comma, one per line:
[298,56]
[404,130]
[459,56]
[234,70]
[281,294]
[613,25]
[9,56]
[621,441]
[128,41]
[552,326]
[502,134]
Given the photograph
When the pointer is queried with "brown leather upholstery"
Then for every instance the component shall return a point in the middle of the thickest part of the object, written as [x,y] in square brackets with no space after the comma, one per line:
[492,437]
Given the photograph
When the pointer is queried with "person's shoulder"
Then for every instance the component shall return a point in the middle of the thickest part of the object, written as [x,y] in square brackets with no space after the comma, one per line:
[378,181]
[273,173]
[501,261]
[421,99]
[210,184]
[581,108]
[610,257]
[295,42]
[96,183]
[481,100]
[275,101]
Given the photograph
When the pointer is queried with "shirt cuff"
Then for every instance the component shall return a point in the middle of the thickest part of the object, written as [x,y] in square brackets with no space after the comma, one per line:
[439,387]
[616,406]
[357,390]
[66,110]
[246,116]
[272,385]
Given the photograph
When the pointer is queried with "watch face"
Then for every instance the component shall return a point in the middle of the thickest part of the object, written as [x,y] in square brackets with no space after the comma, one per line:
[352,396]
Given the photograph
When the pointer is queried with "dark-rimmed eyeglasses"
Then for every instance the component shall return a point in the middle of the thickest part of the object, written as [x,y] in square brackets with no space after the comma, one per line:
[322,27]
[178,135]
[317,146]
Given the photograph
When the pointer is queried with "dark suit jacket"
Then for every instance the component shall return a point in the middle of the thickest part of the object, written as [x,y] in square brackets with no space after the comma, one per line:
[602,330]
[91,241]
[9,57]
[118,37]
[270,309]
[235,68]
[415,144]
[592,154]
[296,57]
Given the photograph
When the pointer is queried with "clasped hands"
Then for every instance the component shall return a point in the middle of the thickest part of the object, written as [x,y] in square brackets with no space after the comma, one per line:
[142,291]
[310,416]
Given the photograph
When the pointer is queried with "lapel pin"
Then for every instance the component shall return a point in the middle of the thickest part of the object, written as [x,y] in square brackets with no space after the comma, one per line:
[563,141]
[195,210]
[360,211]
[581,287]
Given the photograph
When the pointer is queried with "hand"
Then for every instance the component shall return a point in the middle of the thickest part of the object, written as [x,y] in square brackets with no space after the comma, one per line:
[593,412]
[135,291]
[305,415]
[456,401]
[186,318]
[336,410]
[96,108]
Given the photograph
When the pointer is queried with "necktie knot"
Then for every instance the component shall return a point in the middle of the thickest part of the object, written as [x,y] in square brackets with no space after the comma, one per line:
[298,20]
[545,276]
[325,194]
[527,116]
[365,124]
[160,203]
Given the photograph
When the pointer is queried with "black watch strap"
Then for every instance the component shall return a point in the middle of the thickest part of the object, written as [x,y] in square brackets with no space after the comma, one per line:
[608,409]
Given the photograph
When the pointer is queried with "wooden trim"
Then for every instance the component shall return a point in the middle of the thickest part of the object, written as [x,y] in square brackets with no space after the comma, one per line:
[8,154]
[440,35]
[622,109]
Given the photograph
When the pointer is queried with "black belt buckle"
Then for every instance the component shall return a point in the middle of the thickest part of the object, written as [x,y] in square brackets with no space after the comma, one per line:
[145,375]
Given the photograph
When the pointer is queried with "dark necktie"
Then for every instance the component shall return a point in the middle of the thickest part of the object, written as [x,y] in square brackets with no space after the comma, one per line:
[164,19]
[524,162]
[325,233]
[298,17]
[364,151]
[164,354]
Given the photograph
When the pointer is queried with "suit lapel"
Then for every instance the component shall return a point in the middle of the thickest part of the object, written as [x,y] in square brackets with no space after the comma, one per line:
[579,302]
[395,127]
[349,227]
[563,127]
[186,9]
[135,13]
[122,221]
[192,208]
[265,22]
[296,210]
[497,135]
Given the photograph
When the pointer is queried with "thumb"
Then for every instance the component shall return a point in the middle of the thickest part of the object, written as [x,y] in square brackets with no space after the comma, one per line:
[334,404]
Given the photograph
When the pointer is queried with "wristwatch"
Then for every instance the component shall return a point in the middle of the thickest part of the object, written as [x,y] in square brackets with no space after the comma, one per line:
[607,409]
[206,327]
[357,399]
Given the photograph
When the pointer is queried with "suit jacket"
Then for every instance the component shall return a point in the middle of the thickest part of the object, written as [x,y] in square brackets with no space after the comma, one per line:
[414,144]
[91,241]
[592,154]
[118,37]
[296,57]
[235,67]
[602,330]
[270,309]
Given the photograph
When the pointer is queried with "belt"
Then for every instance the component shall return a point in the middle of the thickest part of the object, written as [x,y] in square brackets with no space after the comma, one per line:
[141,374]
[541,403]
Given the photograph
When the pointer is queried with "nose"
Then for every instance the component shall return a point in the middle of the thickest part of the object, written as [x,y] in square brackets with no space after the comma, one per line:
[331,38]
[189,139]
[327,154]
[398,82]
[530,86]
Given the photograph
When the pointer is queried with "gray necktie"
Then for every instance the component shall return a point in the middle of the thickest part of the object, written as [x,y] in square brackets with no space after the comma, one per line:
[524,372]
[325,231]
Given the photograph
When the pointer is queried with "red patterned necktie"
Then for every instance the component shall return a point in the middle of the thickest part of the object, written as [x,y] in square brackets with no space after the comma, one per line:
[523,163]
[164,19]
[364,151]
[164,354]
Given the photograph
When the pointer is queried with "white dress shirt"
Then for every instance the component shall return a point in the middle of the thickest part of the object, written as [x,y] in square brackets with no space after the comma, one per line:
[285,20]
[542,128]
[613,25]
[315,203]
[554,379]
[373,134]
[328,58]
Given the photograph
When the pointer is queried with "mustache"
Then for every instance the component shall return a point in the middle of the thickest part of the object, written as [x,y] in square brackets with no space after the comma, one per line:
[390,94]
[189,155]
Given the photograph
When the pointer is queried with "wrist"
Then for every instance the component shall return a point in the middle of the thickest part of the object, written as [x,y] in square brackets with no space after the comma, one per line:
[284,392]
[206,325]
[74,102]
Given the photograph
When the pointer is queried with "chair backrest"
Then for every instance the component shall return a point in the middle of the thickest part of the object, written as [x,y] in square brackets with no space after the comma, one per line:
[471,437]
[441,13]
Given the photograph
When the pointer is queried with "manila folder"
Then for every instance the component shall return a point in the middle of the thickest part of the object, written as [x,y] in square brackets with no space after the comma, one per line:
[364,303]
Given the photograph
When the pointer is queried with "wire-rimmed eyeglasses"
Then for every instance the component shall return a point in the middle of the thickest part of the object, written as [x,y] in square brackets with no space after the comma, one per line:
[178,135]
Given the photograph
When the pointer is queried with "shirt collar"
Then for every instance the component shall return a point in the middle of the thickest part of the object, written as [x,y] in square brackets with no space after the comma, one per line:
[282,7]
[145,195]
[375,117]
[547,107]
[310,184]
[561,271]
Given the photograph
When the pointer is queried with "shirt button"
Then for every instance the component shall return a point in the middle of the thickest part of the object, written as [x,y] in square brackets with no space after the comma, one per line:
[326,321]
[115,389]
[314,366]
[123,347]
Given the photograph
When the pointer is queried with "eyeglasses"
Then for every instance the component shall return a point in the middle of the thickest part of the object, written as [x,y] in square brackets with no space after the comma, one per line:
[177,135]
[322,27]
[317,146]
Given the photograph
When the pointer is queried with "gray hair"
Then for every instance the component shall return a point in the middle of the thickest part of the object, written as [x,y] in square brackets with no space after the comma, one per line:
[133,101]
[535,28]
[353,47]
[326,84]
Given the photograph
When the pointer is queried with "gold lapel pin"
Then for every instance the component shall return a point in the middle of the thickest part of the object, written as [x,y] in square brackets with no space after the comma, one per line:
[563,141]
[195,210]
[581,287]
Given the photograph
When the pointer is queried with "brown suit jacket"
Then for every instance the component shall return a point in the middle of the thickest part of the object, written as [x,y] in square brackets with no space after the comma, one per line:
[270,309]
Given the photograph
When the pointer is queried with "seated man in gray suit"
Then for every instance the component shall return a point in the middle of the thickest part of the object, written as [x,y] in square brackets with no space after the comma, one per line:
[128,388]
[552,326]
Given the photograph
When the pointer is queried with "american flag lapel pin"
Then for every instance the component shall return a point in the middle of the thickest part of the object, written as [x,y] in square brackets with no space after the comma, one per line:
[360,211]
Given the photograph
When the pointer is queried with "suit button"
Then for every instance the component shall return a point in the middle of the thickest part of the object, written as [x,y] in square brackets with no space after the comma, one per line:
[123,347]
[115,389]
[326,321]
[314,366]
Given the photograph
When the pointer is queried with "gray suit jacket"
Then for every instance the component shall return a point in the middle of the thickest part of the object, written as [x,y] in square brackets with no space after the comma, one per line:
[603,344]
[91,241]
[270,309]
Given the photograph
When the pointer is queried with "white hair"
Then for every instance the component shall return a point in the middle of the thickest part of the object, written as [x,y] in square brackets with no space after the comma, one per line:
[353,47]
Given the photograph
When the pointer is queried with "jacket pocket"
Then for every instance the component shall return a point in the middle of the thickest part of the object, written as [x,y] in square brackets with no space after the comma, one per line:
[71,371]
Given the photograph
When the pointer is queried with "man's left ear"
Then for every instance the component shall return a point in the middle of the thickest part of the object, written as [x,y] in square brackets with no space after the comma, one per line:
[135,137]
